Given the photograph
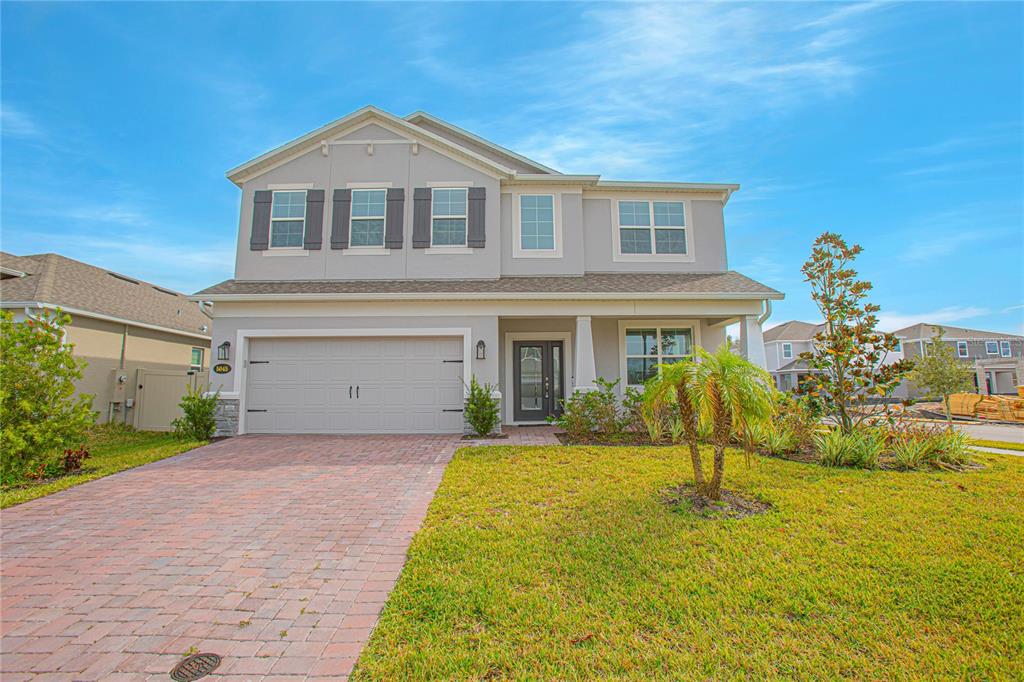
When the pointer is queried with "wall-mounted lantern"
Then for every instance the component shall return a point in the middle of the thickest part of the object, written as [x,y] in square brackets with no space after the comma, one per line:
[224,351]
[481,350]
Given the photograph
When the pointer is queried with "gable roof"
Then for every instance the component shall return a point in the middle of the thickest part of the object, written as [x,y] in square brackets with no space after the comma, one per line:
[53,280]
[611,286]
[309,141]
[794,330]
[486,147]
[923,330]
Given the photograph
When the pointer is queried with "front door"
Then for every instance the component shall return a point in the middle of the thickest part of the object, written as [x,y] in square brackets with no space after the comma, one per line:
[538,378]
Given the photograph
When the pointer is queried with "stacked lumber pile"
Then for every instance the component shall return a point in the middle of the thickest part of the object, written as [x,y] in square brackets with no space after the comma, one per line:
[998,407]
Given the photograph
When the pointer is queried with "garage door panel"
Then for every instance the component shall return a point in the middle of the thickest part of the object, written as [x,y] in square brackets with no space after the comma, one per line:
[404,385]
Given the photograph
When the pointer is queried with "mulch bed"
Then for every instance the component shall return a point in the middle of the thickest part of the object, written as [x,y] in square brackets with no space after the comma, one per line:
[496,436]
[613,440]
[732,505]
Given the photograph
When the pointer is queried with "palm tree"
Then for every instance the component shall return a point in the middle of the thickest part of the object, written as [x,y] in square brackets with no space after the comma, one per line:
[681,377]
[731,393]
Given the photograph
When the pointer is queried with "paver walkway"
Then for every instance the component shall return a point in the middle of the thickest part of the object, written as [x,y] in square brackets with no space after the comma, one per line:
[276,552]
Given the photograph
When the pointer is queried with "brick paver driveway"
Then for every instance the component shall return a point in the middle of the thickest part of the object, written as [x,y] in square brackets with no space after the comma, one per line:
[275,552]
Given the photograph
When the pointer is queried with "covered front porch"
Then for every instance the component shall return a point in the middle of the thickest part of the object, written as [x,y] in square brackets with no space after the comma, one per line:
[541,360]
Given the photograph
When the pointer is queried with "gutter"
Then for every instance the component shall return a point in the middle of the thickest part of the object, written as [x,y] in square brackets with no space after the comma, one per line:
[100,316]
[447,296]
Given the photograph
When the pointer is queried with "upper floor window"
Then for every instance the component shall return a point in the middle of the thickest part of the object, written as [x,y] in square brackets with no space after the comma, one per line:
[197,359]
[646,348]
[652,227]
[787,350]
[367,227]
[537,222]
[898,348]
[961,349]
[448,217]
[1004,348]
[992,347]
[287,219]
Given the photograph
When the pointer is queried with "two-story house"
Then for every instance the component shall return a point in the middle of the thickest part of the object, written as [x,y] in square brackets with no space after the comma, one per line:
[997,358]
[382,262]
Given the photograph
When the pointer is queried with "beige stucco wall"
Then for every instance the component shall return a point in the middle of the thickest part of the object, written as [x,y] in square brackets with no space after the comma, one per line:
[99,343]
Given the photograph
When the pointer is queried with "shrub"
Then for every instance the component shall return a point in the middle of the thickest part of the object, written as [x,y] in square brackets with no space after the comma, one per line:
[482,411]
[800,416]
[861,448]
[779,439]
[39,411]
[632,410]
[589,412]
[677,430]
[198,422]
[909,451]
[955,448]
[833,448]
[658,411]
[73,458]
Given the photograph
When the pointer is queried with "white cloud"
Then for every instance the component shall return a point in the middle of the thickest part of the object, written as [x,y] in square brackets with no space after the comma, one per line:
[17,123]
[894,321]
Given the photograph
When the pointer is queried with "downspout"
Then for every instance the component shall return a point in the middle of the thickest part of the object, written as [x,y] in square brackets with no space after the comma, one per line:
[767,304]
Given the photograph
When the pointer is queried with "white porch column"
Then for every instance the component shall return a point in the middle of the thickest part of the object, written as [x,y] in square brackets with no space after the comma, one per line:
[584,366]
[752,341]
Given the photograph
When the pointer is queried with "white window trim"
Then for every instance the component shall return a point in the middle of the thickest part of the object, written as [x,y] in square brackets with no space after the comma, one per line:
[270,231]
[784,347]
[366,251]
[992,352]
[202,357]
[517,226]
[352,221]
[1008,347]
[692,325]
[966,349]
[448,248]
[618,256]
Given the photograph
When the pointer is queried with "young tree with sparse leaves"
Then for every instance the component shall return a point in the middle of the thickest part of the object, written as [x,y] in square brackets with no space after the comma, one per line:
[942,373]
[39,411]
[850,352]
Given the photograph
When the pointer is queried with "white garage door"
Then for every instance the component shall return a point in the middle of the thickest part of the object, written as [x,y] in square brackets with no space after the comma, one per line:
[354,385]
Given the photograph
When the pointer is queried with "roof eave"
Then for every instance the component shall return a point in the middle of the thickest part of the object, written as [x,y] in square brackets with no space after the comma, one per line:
[494,296]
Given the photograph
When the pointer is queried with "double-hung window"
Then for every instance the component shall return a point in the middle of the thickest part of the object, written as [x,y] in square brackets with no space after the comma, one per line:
[652,228]
[197,359]
[448,217]
[537,222]
[1004,348]
[961,349]
[992,348]
[648,347]
[287,219]
[787,351]
[367,228]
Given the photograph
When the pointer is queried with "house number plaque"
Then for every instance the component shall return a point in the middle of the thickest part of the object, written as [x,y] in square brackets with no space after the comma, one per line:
[221,368]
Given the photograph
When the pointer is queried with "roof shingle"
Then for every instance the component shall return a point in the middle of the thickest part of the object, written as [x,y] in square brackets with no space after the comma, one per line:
[634,285]
[59,281]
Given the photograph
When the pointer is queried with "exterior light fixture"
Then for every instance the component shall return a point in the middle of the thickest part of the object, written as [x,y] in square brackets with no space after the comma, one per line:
[481,350]
[224,351]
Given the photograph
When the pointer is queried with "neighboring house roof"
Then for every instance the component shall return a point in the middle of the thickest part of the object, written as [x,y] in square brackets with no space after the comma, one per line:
[54,280]
[797,366]
[926,331]
[794,330]
[501,162]
[594,285]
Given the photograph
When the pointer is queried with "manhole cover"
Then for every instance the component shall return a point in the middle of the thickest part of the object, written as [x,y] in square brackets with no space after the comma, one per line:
[194,667]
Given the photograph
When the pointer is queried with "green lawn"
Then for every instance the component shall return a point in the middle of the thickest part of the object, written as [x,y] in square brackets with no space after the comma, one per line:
[1005,445]
[111,450]
[563,563]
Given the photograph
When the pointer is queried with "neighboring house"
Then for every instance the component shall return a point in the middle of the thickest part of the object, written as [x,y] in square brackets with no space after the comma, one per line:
[383,261]
[131,333]
[997,358]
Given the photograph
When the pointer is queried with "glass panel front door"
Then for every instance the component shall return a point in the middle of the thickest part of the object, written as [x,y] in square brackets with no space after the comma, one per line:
[538,379]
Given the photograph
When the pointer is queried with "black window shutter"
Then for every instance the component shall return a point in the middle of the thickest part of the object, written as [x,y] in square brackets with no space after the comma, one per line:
[421,218]
[339,219]
[394,217]
[259,239]
[476,236]
[314,219]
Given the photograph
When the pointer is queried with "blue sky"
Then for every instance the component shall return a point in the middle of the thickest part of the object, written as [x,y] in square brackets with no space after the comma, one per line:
[899,126]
